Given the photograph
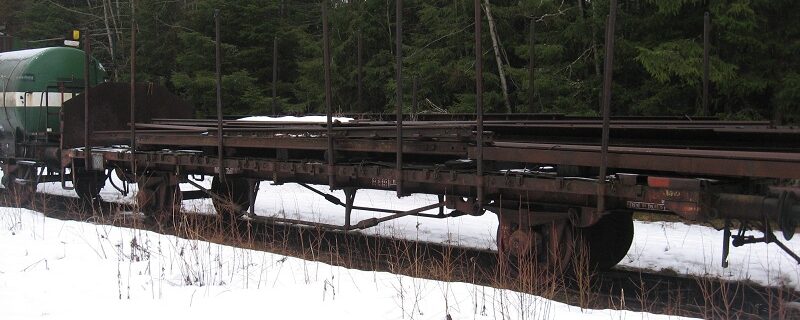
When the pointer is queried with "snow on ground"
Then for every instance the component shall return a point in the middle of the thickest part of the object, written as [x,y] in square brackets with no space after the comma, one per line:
[683,248]
[697,250]
[56,269]
[315,119]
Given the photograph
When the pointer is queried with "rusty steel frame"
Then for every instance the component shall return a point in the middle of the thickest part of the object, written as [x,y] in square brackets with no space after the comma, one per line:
[529,118]
[458,132]
[299,143]
[691,198]
[517,117]
[348,204]
[695,162]
[363,224]
[461,142]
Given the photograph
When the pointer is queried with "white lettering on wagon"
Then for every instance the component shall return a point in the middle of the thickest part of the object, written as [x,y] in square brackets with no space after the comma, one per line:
[646,206]
[383,183]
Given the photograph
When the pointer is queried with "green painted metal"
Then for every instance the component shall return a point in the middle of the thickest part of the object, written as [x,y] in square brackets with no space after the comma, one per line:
[31,82]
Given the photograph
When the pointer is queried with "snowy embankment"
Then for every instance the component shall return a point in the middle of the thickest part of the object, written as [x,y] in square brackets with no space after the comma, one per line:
[682,248]
[56,269]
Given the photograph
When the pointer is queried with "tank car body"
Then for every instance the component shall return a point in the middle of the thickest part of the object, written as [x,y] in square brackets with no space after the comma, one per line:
[34,84]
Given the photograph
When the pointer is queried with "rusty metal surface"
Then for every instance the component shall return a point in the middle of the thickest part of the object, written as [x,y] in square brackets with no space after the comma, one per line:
[88,122]
[702,203]
[398,13]
[460,142]
[455,149]
[514,116]
[326,63]
[782,165]
[669,166]
[479,103]
[218,86]
[692,134]
[110,109]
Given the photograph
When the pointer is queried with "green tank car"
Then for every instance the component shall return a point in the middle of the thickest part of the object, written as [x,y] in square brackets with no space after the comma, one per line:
[35,83]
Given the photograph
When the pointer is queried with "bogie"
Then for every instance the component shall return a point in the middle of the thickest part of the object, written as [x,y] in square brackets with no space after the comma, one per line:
[159,196]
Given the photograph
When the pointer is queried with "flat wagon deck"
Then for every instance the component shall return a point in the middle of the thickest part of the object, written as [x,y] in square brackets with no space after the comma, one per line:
[539,176]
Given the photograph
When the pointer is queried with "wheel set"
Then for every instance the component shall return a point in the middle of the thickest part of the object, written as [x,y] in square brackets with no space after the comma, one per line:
[559,246]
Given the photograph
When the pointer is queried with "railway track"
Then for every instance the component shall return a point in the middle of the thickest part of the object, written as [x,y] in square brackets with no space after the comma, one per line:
[635,290]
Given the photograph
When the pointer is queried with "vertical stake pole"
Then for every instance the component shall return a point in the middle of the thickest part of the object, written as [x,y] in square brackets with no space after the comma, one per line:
[251,196]
[87,50]
[399,82]
[706,49]
[726,242]
[479,103]
[220,141]
[359,71]
[349,199]
[414,99]
[133,87]
[326,49]
[608,69]
[275,75]
[531,56]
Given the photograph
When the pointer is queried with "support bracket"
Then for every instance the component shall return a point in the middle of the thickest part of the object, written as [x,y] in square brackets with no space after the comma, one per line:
[741,238]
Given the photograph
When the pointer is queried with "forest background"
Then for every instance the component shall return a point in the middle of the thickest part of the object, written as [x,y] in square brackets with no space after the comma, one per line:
[658,70]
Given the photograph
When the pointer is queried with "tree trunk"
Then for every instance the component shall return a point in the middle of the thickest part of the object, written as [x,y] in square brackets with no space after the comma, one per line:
[110,40]
[114,17]
[496,47]
[595,51]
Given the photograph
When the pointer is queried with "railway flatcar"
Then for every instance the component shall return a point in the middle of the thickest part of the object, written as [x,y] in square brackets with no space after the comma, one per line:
[538,175]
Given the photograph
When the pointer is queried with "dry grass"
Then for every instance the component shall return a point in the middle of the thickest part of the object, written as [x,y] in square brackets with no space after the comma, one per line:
[525,279]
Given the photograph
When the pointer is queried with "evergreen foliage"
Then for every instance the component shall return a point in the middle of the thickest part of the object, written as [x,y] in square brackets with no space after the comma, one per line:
[754,70]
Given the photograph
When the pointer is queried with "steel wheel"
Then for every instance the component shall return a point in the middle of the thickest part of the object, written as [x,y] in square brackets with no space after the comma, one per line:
[234,194]
[88,185]
[608,240]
